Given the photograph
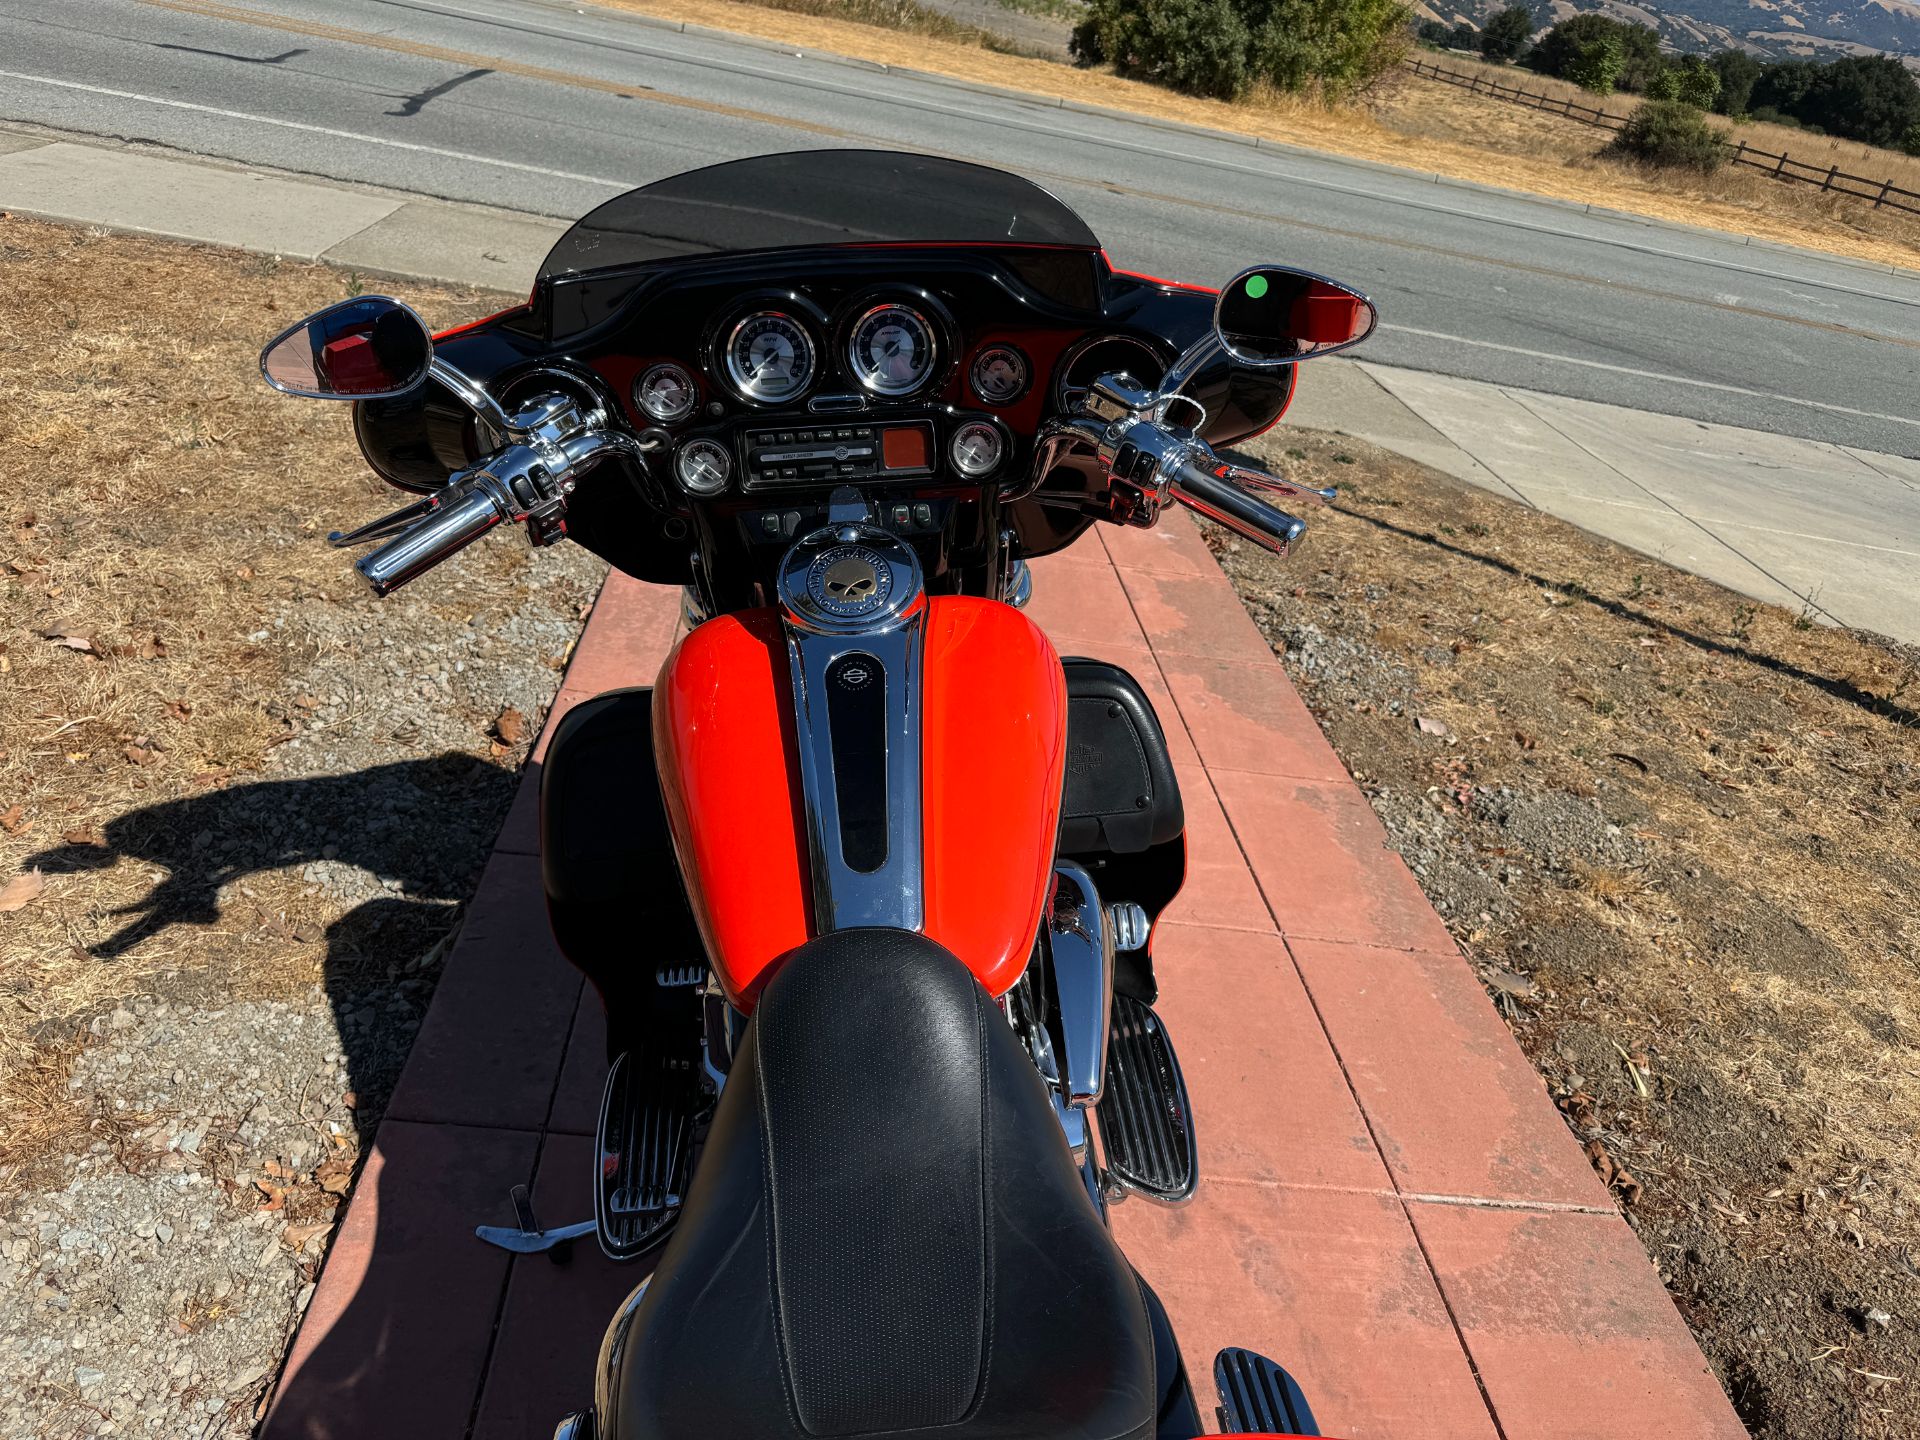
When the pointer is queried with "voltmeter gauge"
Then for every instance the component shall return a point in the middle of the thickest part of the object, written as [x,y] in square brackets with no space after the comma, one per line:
[976,449]
[703,467]
[666,393]
[999,374]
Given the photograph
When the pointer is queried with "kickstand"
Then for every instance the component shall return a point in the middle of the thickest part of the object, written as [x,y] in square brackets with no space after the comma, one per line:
[529,1238]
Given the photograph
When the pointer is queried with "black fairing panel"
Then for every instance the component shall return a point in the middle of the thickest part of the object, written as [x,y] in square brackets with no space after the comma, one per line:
[887,1235]
[1121,793]
[614,893]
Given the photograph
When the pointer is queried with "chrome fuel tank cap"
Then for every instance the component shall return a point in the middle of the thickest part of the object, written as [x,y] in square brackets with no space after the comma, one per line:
[849,577]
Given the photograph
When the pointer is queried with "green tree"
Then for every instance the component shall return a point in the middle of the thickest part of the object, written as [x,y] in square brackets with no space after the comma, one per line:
[1737,71]
[1597,64]
[1870,98]
[1689,80]
[1507,33]
[1562,47]
[1223,47]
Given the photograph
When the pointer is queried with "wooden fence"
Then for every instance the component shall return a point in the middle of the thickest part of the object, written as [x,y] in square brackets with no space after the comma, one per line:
[1883,193]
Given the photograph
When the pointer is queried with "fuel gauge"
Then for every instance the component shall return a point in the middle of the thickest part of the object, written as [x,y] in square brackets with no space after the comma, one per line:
[999,374]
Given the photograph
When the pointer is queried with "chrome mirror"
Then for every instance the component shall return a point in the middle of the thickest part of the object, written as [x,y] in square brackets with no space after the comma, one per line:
[1270,316]
[366,348]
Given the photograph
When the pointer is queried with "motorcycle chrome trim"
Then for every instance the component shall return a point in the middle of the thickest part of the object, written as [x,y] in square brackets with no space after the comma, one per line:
[693,610]
[890,894]
[1016,586]
[852,589]
[301,393]
[1080,947]
[1130,926]
[577,1426]
[473,395]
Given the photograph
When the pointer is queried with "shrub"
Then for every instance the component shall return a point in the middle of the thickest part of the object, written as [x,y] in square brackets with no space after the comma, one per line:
[1666,132]
[1222,47]
[1597,64]
[1200,46]
[1507,33]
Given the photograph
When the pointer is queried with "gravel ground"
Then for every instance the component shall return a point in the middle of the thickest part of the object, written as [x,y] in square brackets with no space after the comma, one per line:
[150,1284]
[256,797]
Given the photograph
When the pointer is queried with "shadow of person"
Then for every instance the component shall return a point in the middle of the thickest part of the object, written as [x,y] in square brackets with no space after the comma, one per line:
[400,844]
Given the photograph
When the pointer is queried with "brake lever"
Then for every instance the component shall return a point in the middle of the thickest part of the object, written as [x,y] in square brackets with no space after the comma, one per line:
[1260,482]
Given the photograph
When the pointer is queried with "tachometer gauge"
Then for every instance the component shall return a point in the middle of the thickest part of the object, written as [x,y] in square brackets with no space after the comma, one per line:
[769,356]
[976,449]
[666,393]
[999,374]
[891,350]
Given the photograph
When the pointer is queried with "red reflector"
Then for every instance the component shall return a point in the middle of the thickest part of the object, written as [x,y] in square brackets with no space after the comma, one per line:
[906,447]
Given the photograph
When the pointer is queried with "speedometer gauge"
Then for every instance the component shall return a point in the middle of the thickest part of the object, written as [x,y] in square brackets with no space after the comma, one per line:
[891,350]
[769,356]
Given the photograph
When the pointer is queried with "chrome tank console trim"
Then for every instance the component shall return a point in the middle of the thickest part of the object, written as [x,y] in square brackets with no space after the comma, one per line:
[1081,947]
[853,607]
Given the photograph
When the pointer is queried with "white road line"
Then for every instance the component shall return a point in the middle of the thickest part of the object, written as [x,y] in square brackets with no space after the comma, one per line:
[1651,375]
[615,185]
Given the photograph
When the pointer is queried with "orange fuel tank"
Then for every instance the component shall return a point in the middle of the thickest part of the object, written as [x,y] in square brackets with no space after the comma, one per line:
[993,724]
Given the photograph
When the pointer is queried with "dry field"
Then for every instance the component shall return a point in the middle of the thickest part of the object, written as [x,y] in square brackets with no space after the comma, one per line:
[1680,834]
[174,631]
[1419,142]
[1421,107]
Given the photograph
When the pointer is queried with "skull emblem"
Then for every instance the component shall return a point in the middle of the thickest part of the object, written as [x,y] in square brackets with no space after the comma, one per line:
[851,580]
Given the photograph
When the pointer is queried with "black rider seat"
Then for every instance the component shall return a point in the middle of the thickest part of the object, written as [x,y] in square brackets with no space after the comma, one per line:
[887,1236]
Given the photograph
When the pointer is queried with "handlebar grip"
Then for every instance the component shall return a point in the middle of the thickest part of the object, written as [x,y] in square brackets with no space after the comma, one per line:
[456,523]
[1208,490]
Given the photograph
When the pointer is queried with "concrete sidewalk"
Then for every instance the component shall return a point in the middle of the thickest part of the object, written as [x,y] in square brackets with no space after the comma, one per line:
[1817,528]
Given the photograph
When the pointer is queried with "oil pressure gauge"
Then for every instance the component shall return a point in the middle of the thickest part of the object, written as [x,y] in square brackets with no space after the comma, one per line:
[976,449]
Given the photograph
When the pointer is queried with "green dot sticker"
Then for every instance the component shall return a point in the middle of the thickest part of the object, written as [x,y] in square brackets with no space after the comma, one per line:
[1256,286]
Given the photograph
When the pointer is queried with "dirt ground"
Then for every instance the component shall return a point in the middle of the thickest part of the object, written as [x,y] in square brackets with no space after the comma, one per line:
[1409,122]
[1679,833]
[241,802]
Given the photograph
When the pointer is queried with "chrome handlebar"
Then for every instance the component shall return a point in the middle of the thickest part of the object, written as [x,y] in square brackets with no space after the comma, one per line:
[550,443]
[1152,458]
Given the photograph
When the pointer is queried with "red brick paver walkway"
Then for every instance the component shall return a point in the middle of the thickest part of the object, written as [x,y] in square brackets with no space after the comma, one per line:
[1390,1205]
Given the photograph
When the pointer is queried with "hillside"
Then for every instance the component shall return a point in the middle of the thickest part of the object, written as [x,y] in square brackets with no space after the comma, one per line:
[1777,29]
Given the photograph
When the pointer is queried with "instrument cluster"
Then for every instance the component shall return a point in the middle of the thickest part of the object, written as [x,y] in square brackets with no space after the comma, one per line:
[890,350]
[887,386]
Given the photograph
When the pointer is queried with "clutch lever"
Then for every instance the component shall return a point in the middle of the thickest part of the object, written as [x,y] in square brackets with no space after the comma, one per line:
[386,525]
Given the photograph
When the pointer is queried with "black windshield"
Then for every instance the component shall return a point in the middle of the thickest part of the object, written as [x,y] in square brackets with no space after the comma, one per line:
[816,197]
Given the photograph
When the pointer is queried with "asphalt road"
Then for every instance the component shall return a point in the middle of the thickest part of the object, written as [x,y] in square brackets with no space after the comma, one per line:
[550,109]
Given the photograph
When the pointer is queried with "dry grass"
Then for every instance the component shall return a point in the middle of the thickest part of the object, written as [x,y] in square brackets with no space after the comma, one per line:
[1354,131]
[1421,107]
[157,502]
[1749,927]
